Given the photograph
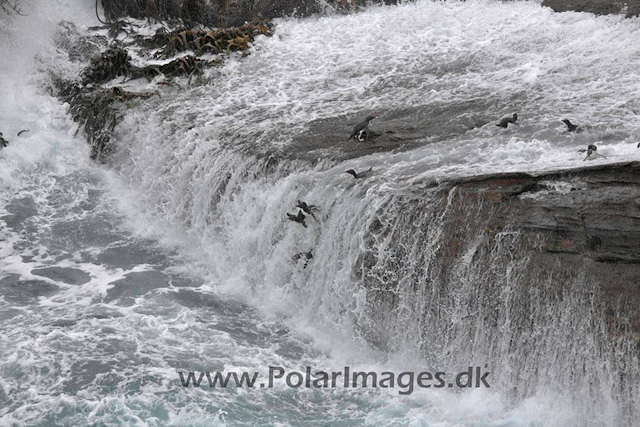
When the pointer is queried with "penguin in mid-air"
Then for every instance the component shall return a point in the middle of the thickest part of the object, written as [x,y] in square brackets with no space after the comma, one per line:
[308,209]
[298,218]
[362,174]
[505,121]
[592,152]
[361,130]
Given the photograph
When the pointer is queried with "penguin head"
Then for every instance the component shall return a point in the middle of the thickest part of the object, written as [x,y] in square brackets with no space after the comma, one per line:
[515,116]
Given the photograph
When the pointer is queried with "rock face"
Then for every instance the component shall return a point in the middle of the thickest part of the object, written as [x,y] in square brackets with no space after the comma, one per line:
[222,13]
[213,13]
[567,228]
[514,270]
[630,7]
[583,223]
[593,213]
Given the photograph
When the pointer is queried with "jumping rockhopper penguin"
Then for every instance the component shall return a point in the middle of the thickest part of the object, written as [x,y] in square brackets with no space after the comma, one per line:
[361,130]
[308,209]
[592,152]
[298,218]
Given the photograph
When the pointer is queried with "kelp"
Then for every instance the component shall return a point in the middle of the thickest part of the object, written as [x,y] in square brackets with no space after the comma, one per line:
[117,27]
[98,110]
[183,66]
[215,41]
[113,62]
[190,11]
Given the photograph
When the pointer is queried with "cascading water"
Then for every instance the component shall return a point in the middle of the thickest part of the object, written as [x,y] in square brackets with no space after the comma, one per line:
[188,253]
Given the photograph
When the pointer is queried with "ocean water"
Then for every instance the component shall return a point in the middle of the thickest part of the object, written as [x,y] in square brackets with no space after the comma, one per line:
[176,255]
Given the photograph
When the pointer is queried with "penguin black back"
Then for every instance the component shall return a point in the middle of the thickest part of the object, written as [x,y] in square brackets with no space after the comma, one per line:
[505,121]
[357,175]
[308,209]
[570,126]
[298,218]
[361,130]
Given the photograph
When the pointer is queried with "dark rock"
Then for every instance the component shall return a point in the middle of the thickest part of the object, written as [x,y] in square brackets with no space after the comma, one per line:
[597,214]
[213,13]
[223,13]
[551,231]
[629,7]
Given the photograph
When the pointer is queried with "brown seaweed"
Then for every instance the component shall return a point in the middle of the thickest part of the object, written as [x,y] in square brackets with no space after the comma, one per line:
[98,111]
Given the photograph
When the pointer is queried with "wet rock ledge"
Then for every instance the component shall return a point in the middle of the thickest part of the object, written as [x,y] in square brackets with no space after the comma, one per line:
[599,7]
[223,13]
[592,212]
[567,239]
[572,223]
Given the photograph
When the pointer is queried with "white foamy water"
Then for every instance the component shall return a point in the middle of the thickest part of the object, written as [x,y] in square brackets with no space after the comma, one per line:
[179,258]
